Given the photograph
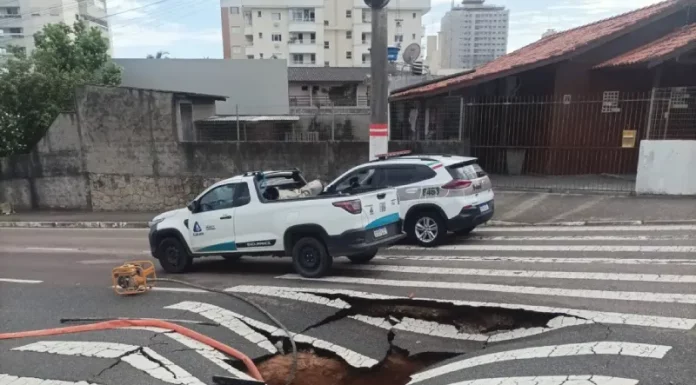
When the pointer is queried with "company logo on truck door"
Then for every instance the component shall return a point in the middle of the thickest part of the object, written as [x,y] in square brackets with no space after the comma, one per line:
[197,231]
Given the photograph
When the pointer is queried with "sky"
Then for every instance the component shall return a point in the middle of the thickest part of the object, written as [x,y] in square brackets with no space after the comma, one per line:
[191,28]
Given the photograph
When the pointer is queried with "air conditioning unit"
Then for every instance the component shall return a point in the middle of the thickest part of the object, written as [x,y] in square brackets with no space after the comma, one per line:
[276,45]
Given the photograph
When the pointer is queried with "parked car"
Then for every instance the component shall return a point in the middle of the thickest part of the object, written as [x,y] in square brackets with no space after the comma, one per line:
[247,215]
[437,193]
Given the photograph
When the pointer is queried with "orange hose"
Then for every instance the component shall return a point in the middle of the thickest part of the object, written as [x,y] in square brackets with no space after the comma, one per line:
[117,324]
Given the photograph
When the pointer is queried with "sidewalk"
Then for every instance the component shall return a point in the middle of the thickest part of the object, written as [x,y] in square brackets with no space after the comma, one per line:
[512,209]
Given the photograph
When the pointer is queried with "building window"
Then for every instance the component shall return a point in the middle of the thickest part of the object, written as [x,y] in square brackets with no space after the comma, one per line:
[366,15]
[305,88]
[398,23]
[234,10]
[236,49]
[258,14]
[413,36]
[326,23]
[349,14]
[236,30]
[260,56]
[366,58]
[275,15]
[349,34]
[303,14]
[313,58]
[349,54]
[326,45]
[260,35]
[247,18]
[298,58]
[366,38]
[277,37]
[398,38]
[414,15]
[250,56]
[326,64]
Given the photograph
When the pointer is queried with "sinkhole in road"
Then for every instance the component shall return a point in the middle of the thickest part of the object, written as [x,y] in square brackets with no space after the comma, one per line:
[319,367]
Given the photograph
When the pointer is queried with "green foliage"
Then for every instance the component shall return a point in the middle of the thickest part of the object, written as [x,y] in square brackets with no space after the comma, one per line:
[35,88]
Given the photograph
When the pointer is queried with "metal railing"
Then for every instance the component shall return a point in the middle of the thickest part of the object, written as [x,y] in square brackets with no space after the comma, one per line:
[327,101]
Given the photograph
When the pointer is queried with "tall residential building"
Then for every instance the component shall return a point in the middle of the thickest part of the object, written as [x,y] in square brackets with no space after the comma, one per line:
[334,33]
[473,34]
[20,19]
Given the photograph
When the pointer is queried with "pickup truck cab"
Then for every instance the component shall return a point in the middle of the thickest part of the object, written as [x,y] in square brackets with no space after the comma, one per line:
[243,215]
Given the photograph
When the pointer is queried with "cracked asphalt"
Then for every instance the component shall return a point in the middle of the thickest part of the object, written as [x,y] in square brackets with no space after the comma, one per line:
[530,306]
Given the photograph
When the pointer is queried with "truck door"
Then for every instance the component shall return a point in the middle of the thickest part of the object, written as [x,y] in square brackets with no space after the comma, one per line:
[212,226]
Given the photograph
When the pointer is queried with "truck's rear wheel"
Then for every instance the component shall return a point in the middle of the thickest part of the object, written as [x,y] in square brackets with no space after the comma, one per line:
[173,256]
[310,258]
[362,258]
[426,228]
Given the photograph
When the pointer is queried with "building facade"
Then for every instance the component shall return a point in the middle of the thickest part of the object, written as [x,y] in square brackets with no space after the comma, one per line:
[20,19]
[473,34]
[333,33]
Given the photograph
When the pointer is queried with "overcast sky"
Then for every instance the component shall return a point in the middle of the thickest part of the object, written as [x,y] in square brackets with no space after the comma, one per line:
[191,28]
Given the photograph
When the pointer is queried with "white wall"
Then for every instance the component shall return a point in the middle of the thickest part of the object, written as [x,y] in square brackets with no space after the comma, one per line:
[667,167]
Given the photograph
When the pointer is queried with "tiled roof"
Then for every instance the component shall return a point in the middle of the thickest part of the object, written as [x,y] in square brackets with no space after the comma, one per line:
[328,74]
[656,50]
[549,49]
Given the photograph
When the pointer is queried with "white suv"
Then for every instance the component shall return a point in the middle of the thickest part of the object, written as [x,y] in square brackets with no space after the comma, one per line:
[437,193]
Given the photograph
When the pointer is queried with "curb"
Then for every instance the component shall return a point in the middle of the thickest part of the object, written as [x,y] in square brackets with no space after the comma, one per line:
[144,225]
[74,225]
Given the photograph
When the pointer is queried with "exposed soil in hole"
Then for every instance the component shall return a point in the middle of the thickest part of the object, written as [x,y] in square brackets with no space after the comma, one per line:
[467,319]
[313,369]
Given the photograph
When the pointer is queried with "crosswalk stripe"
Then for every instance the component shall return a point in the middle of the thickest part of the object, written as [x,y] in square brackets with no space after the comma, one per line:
[601,317]
[611,261]
[12,280]
[551,380]
[587,248]
[580,238]
[664,278]
[582,229]
[141,358]
[7,379]
[223,317]
[542,291]
[583,349]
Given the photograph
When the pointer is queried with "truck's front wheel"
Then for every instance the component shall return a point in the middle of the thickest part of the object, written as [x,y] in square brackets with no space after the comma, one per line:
[173,256]
[310,258]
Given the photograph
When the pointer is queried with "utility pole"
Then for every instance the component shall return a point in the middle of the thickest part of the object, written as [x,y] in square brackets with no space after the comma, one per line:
[379,90]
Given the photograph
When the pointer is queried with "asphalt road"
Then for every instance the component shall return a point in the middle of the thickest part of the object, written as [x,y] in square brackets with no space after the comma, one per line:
[558,305]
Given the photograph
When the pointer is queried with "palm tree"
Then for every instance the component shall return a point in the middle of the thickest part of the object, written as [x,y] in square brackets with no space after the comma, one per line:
[159,55]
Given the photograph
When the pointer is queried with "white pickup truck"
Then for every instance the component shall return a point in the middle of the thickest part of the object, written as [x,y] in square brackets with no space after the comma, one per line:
[243,215]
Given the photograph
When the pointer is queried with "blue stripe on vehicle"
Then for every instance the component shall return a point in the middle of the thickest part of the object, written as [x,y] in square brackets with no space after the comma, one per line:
[388,220]
[227,246]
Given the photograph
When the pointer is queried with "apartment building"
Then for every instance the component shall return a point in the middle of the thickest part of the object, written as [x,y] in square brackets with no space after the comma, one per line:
[333,33]
[20,19]
[473,34]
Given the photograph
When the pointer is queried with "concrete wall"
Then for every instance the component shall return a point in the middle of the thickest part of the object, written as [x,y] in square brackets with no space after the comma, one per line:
[259,87]
[667,167]
[120,152]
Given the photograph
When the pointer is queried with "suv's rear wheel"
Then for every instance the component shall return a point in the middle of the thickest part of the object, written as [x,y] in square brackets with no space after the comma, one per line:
[310,258]
[426,228]
[173,256]
[363,258]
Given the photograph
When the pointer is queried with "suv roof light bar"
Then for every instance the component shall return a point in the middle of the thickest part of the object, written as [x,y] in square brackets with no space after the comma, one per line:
[394,154]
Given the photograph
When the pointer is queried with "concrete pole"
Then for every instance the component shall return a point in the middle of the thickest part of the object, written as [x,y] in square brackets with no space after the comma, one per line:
[379,93]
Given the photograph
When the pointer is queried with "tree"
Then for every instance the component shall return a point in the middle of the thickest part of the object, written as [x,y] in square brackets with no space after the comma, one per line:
[158,55]
[35,88]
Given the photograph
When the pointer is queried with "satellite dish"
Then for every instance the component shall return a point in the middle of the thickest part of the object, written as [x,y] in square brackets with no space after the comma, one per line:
[411,53]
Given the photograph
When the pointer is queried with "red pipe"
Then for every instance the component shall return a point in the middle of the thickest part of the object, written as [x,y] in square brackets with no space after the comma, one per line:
[124,323]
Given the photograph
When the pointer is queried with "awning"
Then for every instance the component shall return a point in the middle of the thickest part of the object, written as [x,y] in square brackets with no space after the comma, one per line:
[252,118]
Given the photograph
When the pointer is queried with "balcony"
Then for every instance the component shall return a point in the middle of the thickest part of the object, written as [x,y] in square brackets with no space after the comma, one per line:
[302,26]
[248,30]
[10,16]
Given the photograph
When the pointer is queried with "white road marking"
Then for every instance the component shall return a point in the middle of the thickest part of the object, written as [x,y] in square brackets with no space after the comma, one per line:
[52,248]
[524,206]
[12,280]
[532,290]
[586,248]
[580,229]
[581,238]
[61,250]
[224,316]
[293,295]
[204,350]
[578,209]
[551,380]
[6,379]
[595,316]
[664,278]
[584,349]
[102,261]
[136,356]
[615,261]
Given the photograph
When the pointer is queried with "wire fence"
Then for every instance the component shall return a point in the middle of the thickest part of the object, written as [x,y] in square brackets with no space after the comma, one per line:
[528,140]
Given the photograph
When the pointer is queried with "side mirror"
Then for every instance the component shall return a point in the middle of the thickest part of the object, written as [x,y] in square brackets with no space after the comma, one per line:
[193,206]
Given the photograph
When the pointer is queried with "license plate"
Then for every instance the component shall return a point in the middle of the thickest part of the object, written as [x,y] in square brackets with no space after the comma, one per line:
[484,208]
[381,232]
